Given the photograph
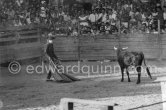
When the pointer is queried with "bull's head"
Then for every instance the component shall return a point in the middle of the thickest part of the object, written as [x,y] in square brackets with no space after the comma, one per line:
[115,48]
[119,50]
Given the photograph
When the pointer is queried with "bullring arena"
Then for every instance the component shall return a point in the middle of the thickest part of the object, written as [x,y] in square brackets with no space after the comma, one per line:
[89,52]
[30,91]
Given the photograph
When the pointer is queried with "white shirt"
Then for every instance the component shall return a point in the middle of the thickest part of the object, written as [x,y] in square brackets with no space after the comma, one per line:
[164,14]
[110,17]
[28,20]
[96,16]
[83,20]
[104,18]
[114,16]
[143,17]
[131,13]
[92,18]
[61,13]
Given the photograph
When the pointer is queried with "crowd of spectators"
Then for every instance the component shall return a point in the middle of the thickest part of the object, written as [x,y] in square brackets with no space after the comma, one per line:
[106,17]
[21,12]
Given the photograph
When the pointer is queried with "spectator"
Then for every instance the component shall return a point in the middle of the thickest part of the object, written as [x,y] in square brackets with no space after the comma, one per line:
[104,16]
[164,15]
[107,28]
[66,17]
[161,18]
[83,19]
[92,17]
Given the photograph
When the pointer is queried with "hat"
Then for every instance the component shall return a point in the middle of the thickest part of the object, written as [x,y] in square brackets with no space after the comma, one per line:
[50,36]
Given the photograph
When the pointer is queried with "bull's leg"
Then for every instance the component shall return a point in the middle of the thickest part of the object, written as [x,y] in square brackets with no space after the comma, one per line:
[128,75]
[122,71]
[139,74]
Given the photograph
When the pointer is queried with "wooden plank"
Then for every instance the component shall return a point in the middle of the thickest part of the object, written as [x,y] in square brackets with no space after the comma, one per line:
[98,44]
[98,58]
[7,35]
[26,47]
[163,47]
[28,32]
[164,53]
[97,52]
[163,37]
[28,52]
[16,38]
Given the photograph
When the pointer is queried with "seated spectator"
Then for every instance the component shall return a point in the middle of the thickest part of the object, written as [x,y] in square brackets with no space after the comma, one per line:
[22,18]
[100,15]
[61,13]
[107,28]
[164,15]
[83,20]
[74,21]
[66,17]
[107,19]
[92,17]
[154,21]
[17,22]
[125,18]
[102,28]
[144,19]
[75,32]
[28,18]
[43,14]
[138,18]
[161,18]
[37,19]
[133,21]
[104,16]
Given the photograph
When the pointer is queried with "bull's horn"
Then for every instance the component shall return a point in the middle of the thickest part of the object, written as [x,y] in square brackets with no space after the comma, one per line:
[115,48]
[125,48]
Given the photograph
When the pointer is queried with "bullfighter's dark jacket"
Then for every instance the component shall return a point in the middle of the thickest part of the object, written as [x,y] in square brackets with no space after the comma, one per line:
[50,51]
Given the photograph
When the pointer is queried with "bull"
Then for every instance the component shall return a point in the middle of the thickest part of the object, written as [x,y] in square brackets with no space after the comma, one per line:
[127,59]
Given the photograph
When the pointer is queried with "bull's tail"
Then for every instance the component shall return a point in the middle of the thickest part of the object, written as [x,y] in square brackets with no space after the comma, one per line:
[147,69]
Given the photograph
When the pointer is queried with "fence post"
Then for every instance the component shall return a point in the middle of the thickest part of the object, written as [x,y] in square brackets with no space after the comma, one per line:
[159,26]
[162,81]
[119,29]
[159,42]
[79,47]
[38,33]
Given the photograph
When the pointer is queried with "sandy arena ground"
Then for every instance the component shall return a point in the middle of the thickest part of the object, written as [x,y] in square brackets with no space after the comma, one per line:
[25,91]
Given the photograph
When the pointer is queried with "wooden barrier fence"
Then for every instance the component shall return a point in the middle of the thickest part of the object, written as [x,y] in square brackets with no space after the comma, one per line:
[28,43]
[19,45]
[102,47]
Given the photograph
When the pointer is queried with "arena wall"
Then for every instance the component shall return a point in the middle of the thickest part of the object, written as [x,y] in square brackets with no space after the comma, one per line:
[28,43]
[102,46]
[19,45]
